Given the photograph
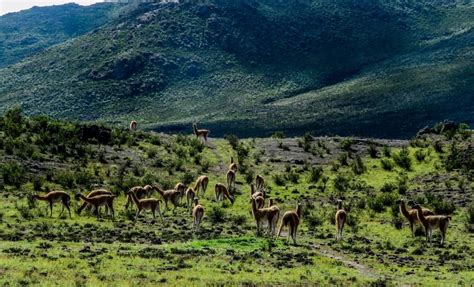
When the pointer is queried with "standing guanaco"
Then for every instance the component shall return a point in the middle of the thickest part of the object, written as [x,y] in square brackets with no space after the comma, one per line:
[181,188]
[341,217]
[271,214]
[100,200]
[139,191]
[198,213]
[92,194]
[53,197]
[254,194]
[201,184]
[190,195]
[431,222]
[133,125]
[233,165]
[221,191]
[200,132]
[412,216]
[152,204]
[172,195]
[292,220]
[230,176]
[259,182]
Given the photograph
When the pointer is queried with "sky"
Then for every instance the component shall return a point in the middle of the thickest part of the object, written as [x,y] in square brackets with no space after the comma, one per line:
[7,6]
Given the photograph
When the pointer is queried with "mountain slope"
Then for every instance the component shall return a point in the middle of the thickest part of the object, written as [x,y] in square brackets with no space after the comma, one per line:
[252,67]
[30,31]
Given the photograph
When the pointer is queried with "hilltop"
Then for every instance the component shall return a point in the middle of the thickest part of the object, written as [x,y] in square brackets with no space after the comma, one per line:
[367,68]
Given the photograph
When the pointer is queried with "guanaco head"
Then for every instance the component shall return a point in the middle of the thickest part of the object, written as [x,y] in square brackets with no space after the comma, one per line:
[232,199]
[339,204]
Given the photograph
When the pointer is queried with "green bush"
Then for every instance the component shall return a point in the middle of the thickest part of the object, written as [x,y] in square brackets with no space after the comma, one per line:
[420,155]
[387,164]
[24,211]
[373,152]
[315,174]
[233,140]
[314,219]
[341,182]
[388,187]
[216,214]
[278,135]
[358,166]
[293,176]
[278,179]
[13,173]
[343,159]
[346,144]
[65,178]
[387,152]
[470,213]
[402,159]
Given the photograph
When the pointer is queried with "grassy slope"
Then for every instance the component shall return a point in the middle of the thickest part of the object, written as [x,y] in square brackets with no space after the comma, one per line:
[375,69]
[84,250]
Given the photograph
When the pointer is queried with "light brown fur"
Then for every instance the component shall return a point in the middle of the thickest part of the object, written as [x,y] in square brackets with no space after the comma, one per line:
[271,214]
[100,200]
[233,165]
[92,194]
[190,195]
[201,185]
[172,195]
[292,220]
[412,216]
[198,213]
[230,176]
[200,132]
[259,183]
[222,192]
[341,217]
[431,222]
[133,125]
[56,196]
[152,204]
[139,191]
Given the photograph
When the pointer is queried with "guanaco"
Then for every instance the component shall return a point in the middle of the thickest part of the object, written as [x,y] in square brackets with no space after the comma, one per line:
[139,191]
[200,132]
[431,222]
[271,214]
[233,165]
[181,188]
[341,217]
[292,220]
[133,125]
[254,194]
[270,202]
[190,195]
[152,204]
[198,213]
[260,201]
[53,197]
[100,200]
[221,191]
[92,194]
[172,195]
[201,184]
[230,176]
[412,216]
[259,182]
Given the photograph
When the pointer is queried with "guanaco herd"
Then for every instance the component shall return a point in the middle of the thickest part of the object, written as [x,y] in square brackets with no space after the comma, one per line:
[141,197]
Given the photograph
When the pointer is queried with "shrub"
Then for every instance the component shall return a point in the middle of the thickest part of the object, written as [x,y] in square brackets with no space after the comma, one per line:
[314,219]
[420,155]
[233,140]
[315,174]
[402,184]
[402,159]
[216,214]
[278,179]
[358,166]
[343,158]
[387,151]
[387,164]
[249,176]
[187,178]
[13,173]
[24,211]
[341,182]
[388,187]
[438,146]
[373,152]
[293,176]
[380,201]
[278,135]
[470,213]
[346,144]
[64,178]
[38,183]
[353,221]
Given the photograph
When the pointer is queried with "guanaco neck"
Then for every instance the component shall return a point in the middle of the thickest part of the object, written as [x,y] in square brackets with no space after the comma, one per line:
[298,211]
[134,198]
[252,189]
[421,217]
[231,159]
[159,190]
[339,205]
[41,197]
[403,209]
[195,129]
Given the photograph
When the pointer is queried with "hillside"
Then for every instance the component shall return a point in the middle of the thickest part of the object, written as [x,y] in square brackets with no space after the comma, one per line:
[367,68]
[29,32]
[39,155]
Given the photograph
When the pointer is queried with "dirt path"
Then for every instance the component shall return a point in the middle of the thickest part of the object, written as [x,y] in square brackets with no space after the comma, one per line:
[364,270]
[221,168]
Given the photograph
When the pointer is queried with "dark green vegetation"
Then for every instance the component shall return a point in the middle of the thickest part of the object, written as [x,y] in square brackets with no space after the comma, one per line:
[39,154]
[377,68]
[31,31]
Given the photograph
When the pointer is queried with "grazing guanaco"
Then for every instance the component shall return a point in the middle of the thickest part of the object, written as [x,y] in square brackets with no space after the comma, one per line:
[181,188]
[341,216]
[53,197]
[133,125]
[92,194]
[201,184]
[100,200]
[230,176]
[152,204]
[200,132]
[292,220]
[221,191]
[431,222]
[198,213]
[271,214]
[190,195]
[233,165]
[139,191]
[411,215]
[172,195]
[259,182]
